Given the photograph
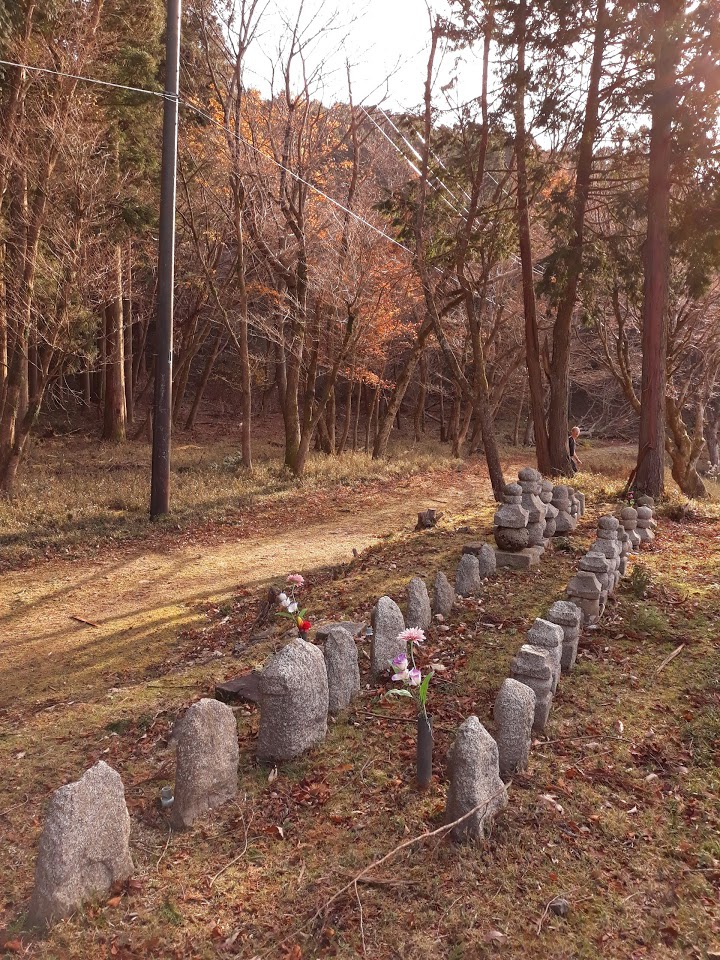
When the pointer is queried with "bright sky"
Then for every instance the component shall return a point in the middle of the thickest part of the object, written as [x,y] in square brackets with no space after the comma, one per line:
[381,39]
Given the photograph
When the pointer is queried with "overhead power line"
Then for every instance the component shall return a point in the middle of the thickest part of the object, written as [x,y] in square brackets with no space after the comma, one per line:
[161,94]
[165,95]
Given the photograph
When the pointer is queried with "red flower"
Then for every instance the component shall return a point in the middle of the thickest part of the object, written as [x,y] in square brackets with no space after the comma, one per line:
[303,625]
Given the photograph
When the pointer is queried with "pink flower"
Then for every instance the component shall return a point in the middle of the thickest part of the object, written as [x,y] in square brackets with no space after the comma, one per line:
[412,635]
[296,579]
[414,677]
[400,666]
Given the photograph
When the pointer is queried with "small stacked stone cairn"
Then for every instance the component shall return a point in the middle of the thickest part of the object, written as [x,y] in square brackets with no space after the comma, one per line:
[608,545]
[585,592]
[628,518]
[474,782]
[601,568]
[551,512]
[533,666]
[548,636]
[513,713]
[531,486]
[511,531]
[567,616]
[645,520]
[624,541]
[574,503]
[565,522]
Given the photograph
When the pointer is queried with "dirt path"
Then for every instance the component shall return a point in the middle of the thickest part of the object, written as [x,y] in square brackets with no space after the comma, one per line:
[139,600]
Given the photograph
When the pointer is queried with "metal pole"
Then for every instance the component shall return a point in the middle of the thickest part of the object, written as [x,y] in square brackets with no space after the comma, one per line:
[162,419]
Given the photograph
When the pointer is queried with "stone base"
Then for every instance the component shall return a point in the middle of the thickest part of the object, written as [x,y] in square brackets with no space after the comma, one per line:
[519,559]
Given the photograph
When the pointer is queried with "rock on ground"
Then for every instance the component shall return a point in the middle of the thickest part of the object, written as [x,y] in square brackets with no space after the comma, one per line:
[206,772]
[343,672]
[387,623]
[474,781]
[419,613]
[294,702]
[84,847]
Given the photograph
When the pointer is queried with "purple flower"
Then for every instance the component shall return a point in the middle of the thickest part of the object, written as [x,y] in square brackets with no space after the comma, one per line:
[414,677]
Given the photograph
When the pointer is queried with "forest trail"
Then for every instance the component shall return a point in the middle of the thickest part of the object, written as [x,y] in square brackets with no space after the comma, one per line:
[140,598]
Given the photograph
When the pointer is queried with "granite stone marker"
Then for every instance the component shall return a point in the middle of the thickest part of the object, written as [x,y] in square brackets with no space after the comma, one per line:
[551,512]
[567,616]
[585,592]
[84,848]
[533,666]
[473,782]
[531,486]
[565,522]
[419,613]
[644,524]
[294,702]
[387,623]
[443,595]
[628,517]
[467,576]
[206,768]
[514,713]
[510,521]
[343,672]
[548,636]
[485,557]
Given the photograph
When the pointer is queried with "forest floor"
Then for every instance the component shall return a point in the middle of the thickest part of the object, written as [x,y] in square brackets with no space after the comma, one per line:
[618,811]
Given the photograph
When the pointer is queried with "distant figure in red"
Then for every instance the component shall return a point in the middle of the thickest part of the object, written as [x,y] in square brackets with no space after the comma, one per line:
[572,443]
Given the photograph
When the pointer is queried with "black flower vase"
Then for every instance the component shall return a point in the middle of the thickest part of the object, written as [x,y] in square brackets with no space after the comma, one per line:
[424,750]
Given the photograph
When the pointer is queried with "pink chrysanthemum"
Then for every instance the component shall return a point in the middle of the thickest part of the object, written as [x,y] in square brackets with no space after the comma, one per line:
[297,579]
[412,635]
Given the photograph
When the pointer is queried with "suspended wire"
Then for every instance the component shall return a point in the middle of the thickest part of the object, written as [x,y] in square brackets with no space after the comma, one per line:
[161,94]
[294,175]
[166,95]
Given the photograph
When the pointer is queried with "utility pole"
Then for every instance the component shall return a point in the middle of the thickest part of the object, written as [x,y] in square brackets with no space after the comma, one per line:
[162,404]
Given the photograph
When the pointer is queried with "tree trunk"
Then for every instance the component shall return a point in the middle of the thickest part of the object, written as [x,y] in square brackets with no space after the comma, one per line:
[356,424]
[114,410]
[712,426]
[128,350]
[518,418]
[207,370]
[348,417]
[419,414]
[532,341]
[373,408]
[558,409]
[649,477]
[401,385]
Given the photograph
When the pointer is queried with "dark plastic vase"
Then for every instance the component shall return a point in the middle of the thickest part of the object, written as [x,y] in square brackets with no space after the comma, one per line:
[424,750]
